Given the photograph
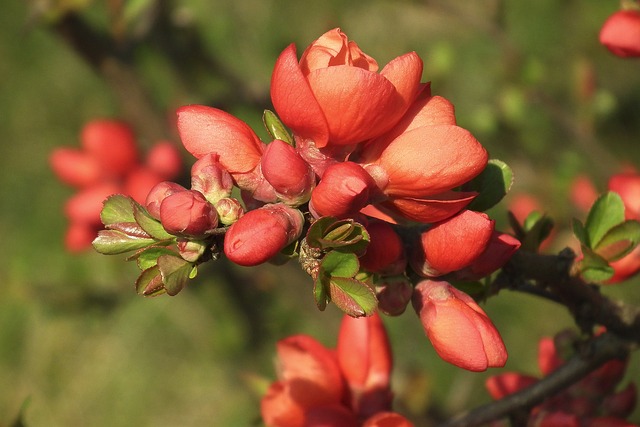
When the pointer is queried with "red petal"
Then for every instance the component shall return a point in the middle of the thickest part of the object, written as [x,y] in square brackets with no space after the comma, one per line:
[508,383]
[434,209]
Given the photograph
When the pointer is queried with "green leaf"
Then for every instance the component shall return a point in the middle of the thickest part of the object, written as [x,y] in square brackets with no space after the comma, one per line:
[606,213]
[149,283]
[275,127]
[353,297]
[619,241]
[148,257]
[317,231]
[117,208]
[175,273]
[593,267]
[320,294]
[150,225]
[492,185]
[339,264]
[580,232]
[113,242]
[538,228]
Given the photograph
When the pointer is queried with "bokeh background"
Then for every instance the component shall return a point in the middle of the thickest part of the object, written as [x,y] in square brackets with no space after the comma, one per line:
[78,347]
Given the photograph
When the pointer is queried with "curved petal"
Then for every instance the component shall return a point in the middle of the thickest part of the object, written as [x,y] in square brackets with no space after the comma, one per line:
[205,130]
[404,73]
[355,102]
[294,101]
[434,209]
[431,160]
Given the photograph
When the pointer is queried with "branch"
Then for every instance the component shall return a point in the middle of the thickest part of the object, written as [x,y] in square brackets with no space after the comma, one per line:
[597,352]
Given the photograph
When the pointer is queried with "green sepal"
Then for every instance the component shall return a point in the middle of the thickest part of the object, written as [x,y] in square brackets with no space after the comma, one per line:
[149,283]
[352,296]
[619,241]
[606,213]
[175,273]
[493,183]
[345,235]
[113,242]
[275,127]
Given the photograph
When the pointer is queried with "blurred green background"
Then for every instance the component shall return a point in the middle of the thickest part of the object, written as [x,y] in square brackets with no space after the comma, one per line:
[79,347]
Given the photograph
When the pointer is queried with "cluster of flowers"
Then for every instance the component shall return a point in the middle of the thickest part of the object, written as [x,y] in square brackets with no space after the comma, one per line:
[621,32]
[591,402]
[107,163]
[345,387]
[372,154]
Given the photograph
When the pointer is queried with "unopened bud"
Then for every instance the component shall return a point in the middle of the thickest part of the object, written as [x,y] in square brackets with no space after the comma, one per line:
[290,176]
[211,179]
[191,250]
[385,253]
[394,294]
[158,193]
[229,210]
[188,213]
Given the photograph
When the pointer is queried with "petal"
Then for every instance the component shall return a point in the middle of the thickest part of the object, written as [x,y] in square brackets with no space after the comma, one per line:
[280,409]
[75,167]
[294,101]
[387,419]
[404,73]
[508,383]
[205,130]
[112,143]
[431,160]
[434,209]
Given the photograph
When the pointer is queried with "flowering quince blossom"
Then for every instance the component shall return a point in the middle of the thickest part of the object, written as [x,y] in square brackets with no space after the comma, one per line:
[347,387]
[451,317]
[621,33]
[107,163]
[593,401]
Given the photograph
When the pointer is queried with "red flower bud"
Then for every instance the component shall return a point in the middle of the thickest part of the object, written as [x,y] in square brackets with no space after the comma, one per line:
[622,403]
[229,210]
[393,293]
[75,167]
[499,250]
[385,253]
[334,95]
[112,143]
[364,355]
[627,185]
[210,178]
[452,244]
[460,331]
[344,189]
[164,159]
[261,233]
[621,33]
[290,176]
[188,213]
[158,193]
[205,130]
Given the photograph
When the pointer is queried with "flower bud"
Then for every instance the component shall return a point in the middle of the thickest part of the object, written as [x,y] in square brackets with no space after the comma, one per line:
[460,331]
[164,159]
[621,33]
[452,244]
[75,167]
[112,143]
[385,253]
[290,176]
[210,178]
[364,355]
[394,294]
[188,213]
[229,210]
[261,233]
[190,250]
[499,250]
[627,185]
[344,189]
[158,193]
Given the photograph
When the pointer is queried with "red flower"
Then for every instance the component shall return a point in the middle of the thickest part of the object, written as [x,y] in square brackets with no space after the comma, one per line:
[460,331]
[112,143]
[627,185]
[621,33]
[164,159]
[452,244]
[334,96]
[261,233]
[290,176]
[188,213]
[385,252]
[422,159]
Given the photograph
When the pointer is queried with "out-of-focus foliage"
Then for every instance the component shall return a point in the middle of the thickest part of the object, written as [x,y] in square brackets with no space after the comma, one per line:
[529,79]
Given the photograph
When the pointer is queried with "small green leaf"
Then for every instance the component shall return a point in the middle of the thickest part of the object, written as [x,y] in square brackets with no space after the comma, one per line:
[152,226]
[117,208]
[194,272]
[149,283]
[148,257]
[580,232]
[275,127]
[593,267]
[538,228]
[619,241]
[320,294]
[113,242]
[175,273]
[606,213]
[492,185]
[338,264]
[353,297]
[317,230]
